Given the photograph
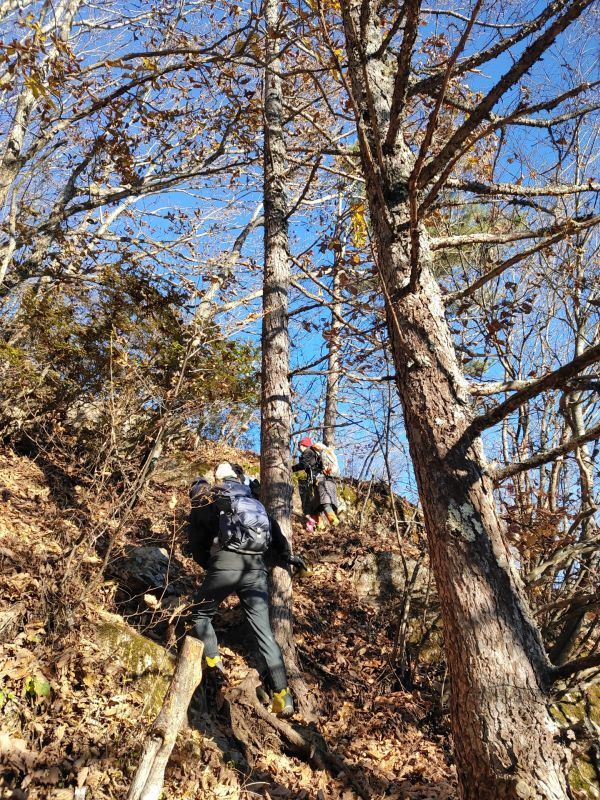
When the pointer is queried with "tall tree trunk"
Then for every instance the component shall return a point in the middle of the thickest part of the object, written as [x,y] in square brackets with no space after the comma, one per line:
[503,732]
[276,414]
[504,736]
[567,637]
[333,361]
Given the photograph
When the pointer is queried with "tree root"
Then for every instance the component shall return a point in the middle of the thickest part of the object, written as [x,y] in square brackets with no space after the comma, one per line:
[306,743]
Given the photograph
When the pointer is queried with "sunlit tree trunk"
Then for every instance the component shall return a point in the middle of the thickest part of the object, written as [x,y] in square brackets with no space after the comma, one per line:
[276,416]
[11,159]
[333,360]
[567,637]
[505,739]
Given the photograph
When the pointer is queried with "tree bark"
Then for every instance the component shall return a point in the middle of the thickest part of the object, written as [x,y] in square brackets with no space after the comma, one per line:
[504,736]
[571,628]
[276,414]
[158,745]
[333,360]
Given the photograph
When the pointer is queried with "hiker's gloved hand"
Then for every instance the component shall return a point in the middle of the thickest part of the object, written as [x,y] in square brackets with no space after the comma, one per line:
[301,564]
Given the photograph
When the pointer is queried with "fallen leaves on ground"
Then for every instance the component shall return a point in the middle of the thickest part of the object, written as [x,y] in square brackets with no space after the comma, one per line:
[71,720]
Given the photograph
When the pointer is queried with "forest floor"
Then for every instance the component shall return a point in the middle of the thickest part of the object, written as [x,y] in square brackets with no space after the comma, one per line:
[73,720]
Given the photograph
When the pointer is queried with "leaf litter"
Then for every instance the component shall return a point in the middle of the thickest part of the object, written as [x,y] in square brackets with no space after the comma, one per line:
[73,723]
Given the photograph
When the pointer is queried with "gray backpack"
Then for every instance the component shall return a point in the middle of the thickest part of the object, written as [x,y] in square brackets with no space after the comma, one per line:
[244,526]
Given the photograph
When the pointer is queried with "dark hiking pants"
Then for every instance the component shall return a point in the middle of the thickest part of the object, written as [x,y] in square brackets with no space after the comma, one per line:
[252,589]
[318,495]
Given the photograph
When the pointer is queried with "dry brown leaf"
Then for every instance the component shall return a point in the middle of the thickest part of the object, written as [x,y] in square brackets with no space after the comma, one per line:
[15,753]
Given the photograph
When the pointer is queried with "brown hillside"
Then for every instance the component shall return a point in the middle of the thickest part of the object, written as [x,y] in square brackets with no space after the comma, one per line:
[80,685]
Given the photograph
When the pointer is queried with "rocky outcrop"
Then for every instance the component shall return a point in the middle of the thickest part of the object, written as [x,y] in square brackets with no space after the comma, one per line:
[382,577]
[579,711]
[144,569]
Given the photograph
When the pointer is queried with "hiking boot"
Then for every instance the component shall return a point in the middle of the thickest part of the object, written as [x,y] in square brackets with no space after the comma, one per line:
[283,704]
[321,523]
[332,518]
[214,663]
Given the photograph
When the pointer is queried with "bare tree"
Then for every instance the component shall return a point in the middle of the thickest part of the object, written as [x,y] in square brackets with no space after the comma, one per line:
[333,339]
[276,413]
[505,738]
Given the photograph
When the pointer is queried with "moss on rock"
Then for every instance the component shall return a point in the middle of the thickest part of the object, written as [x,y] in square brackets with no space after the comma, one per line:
[349,494]
[593,695]
[252,470]
[148,666]
[558,715]
[195,468]
[574,707]
[583,779]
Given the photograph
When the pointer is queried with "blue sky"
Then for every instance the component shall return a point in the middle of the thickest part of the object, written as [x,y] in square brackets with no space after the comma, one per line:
[362,407]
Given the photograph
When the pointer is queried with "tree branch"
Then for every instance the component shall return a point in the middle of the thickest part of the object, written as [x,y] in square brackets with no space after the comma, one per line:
[351,376]
[430,84]
[411,29]
[295,205]
[574,604]
[394,28]
[562,556]
[518,117]
[570,226]
[479,23]
[500,123]
[550,381]
[514,189]
[519,68]
[578,665]
[500,267]
[488,388]
[547,122]
[546,456]
[413,181]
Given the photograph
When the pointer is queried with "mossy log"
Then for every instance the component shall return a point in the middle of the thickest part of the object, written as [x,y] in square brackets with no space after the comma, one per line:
[158,745]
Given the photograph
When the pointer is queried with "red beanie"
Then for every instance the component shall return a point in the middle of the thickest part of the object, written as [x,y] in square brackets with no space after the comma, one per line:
[306,442]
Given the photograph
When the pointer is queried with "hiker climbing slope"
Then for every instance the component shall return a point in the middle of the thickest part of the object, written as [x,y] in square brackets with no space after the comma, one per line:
[319,495]
[230,535]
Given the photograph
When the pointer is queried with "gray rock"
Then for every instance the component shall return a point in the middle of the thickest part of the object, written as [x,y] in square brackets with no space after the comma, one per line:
[380,577]
[147,666]
[144,569]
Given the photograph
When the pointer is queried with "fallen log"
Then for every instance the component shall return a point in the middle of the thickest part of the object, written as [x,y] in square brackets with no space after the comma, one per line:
[158,745]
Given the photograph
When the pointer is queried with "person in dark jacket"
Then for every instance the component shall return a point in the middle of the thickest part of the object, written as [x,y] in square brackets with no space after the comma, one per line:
[242,573]
[319,492]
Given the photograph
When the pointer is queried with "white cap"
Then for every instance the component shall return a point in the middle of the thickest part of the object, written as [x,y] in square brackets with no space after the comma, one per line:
[224,471]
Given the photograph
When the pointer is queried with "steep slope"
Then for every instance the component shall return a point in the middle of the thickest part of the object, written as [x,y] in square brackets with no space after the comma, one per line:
[80,684]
